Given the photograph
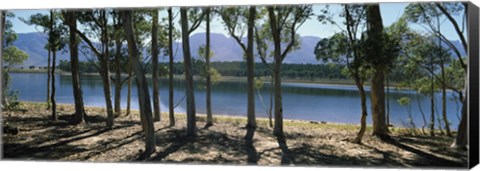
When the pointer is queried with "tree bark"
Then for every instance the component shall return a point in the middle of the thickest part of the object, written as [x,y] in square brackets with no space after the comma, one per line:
[129,91]
[278,109]
[251,123]
[49,79]
[375,36]
[105,71]
[52,96]
[208,77]
[142,85]
[2,30]
[76,86]
[444,100]
[363,104]
[378,104]
[171,113]
[118,77]
[156,98]
[187,60]
[432,105]
[52,47]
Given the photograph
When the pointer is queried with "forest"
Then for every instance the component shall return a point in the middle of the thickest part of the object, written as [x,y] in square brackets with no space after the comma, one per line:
[124,46]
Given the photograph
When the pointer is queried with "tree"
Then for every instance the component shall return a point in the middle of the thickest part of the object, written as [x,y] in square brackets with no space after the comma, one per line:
[11,56]
[377,60]
[171,114]
[230,17]
[71,21]
[142,85]
[97,21]
[345,45]
[284,22]
[187,60]
[207,68]
[156,98]
[56,42]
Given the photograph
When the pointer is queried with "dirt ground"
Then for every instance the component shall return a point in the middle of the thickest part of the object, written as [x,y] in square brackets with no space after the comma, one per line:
[307,143]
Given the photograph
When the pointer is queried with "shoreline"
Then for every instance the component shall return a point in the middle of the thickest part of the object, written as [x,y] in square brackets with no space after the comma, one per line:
[200,114]
[319,81]
[226,117]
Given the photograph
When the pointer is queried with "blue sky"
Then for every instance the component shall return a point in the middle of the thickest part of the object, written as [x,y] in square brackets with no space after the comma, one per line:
[391,12]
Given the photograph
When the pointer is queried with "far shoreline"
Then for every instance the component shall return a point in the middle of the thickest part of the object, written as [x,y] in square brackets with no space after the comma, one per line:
[318,81]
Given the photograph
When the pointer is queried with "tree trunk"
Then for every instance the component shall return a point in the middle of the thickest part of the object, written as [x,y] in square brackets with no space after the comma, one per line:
[270,109]
[142,85]
[432,106]
[118,77]
[76,86]
[105,73]
[363,101]
[129,91]
[378,104]
[208,79]
[375,36]
[156,98]
[461,141]
[388,102]
[278,109]
[52,49]
[444,100]
[52,96]
[2,81]
[49,79]
[171,112]
[251,123]
[187,60]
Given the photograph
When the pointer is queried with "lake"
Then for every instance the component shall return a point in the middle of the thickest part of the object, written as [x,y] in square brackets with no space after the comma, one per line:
[302,101]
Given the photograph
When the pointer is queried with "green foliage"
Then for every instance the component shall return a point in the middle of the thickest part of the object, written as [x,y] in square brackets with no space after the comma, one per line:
[404,101]
[9,34]
[14,56]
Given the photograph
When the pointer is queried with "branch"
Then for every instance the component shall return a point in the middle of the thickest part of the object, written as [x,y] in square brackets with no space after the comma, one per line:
[455,25]
[89,43]
[196,23]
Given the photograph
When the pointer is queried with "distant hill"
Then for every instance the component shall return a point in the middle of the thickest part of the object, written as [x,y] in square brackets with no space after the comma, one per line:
[224,48]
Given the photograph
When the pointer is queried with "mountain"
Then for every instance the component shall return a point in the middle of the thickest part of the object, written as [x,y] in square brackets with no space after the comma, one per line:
[224,48]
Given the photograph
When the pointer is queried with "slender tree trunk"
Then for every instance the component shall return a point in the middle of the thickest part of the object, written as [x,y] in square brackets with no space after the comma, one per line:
[105,73]
[432,106]
[48,79]
[2,87]
[251,123]
[52,96]
[363,102]
[156,98]
[76,86]
[444,99]
[187,60]
[129,91]
[388,102]
[142,85]
[270,109]
[171,112]
[208,79]
[118,77]
[52,49]
[423,115]
[278,109]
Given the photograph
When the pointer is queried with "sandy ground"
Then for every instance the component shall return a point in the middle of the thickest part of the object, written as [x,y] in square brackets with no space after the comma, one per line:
[307,143]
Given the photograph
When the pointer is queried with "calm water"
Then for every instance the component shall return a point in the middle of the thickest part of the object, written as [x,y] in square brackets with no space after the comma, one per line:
[331,103]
